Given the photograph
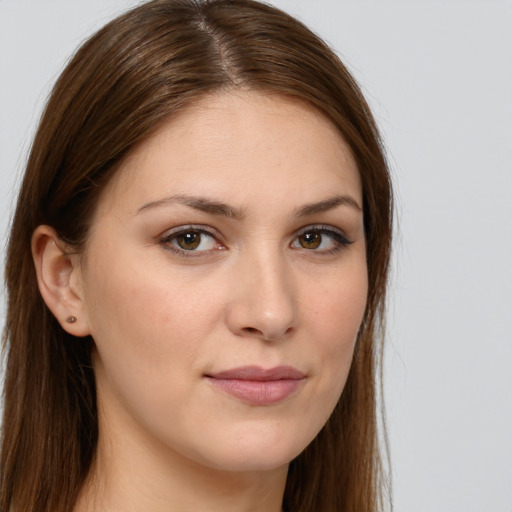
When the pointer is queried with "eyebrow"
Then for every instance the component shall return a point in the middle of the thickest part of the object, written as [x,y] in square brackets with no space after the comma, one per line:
[197,203]
[328,204]
[218,208]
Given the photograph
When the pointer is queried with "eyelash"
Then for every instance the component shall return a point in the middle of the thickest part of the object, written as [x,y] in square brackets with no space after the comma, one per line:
[167,239]
[339,238]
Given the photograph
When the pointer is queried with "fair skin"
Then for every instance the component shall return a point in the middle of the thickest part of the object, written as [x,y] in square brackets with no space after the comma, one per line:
[233,237]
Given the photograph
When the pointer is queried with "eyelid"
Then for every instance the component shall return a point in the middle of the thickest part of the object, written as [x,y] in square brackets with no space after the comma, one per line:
[326,228]
[337,234]
[323,228]
[168,235]
[199,228]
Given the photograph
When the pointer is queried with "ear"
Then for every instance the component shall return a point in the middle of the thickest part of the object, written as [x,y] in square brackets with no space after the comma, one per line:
[59,279]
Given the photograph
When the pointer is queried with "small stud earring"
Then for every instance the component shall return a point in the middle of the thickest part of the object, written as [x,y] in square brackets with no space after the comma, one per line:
[71,319]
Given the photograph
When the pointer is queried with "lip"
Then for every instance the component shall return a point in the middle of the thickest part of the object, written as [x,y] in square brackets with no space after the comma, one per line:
[256,385]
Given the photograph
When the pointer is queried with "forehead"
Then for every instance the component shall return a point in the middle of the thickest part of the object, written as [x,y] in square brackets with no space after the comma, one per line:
[241,146]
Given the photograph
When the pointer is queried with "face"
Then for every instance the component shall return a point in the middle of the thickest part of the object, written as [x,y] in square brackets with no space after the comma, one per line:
[224,283]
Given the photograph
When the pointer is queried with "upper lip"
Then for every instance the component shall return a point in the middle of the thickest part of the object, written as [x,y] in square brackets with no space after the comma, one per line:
[256,373]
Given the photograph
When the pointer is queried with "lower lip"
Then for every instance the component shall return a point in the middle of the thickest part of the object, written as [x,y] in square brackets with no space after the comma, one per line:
[254,392]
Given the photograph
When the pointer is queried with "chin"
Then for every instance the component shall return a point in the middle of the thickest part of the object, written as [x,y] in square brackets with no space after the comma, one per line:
[256,451]
[248,462]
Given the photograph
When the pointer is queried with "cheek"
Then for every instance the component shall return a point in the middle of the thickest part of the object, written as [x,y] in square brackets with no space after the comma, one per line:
[148,342]
[335,323]
[333,316]
[127,311]
[151,325]
[136,290]
[339,305]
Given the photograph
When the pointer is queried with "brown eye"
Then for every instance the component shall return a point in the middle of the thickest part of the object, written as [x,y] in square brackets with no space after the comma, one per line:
[310,240]
[189,240]
[321,239]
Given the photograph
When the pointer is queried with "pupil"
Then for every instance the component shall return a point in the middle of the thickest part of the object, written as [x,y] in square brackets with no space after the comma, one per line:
[311,240]
[189,240]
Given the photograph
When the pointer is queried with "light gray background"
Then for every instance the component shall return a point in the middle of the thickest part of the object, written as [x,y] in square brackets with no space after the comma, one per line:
[439,77]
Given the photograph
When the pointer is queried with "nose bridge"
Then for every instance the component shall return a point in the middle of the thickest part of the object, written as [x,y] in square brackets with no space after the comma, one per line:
[265,302]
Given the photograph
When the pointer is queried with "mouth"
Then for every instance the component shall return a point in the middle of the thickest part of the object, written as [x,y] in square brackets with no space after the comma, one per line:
[258,386]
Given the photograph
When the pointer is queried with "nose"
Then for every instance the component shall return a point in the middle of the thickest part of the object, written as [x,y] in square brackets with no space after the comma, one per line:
[263,301]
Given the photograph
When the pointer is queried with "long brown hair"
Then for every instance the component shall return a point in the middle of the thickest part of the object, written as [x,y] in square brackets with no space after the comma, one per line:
[140,68]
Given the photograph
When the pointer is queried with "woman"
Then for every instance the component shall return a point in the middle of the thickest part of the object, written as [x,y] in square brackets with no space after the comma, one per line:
[196,274]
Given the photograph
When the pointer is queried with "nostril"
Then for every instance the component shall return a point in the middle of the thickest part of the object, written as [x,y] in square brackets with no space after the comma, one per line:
[266,335]
[252,330]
